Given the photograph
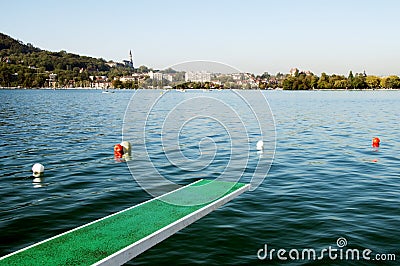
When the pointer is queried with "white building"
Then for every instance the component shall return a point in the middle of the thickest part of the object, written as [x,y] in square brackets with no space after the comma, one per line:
[160,76]
[202,76]
[168,77]
[237,76]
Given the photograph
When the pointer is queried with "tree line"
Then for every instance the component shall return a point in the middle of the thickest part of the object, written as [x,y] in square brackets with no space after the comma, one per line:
[359,81]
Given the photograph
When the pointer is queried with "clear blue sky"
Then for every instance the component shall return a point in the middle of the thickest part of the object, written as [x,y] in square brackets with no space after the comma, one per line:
[332,36]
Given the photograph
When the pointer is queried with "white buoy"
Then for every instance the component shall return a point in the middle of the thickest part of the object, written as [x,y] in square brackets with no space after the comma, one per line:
[127,147]
[37,169]
[260,145]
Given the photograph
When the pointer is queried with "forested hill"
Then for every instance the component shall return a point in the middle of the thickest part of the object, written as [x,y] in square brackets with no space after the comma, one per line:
[9,46]
[28,66]
[18,53]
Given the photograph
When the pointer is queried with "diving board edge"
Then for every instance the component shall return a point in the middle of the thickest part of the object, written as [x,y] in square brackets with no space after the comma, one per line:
[95,221]
[151,240]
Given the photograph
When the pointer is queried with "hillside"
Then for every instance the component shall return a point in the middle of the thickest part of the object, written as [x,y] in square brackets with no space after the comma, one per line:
[28,66]
[9,46]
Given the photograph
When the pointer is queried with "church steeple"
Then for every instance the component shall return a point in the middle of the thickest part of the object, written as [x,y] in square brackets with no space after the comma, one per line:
[129,63]
[130,58]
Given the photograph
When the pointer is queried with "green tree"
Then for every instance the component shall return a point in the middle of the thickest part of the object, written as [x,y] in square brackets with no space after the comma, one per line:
[359,82]
[313,81]
[262,85]
[351,76]
[350,79]
[143,69]
[288,83]
[372,82]
[323,82]
[266,76]
[341,84]
[391,82]
[116,83]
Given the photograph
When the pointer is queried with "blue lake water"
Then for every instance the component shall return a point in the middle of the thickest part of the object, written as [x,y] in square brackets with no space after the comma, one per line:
[326,181]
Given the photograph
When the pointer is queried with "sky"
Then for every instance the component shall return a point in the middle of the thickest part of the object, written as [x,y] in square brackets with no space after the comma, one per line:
[333,36]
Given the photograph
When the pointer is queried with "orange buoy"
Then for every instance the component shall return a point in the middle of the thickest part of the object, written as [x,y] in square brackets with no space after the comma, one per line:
[375,142]
[118,151]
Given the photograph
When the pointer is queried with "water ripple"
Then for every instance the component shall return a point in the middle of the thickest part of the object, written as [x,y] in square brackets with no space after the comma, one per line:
[326,181]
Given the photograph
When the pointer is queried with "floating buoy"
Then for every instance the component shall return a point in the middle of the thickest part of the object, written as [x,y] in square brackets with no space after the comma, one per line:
[118,151]
[37,169]
[126,147]
[260,145]
[122,151]
[375,142]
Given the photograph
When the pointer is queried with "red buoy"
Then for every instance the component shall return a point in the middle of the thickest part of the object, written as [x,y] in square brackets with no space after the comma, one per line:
[118,151]
[375,142]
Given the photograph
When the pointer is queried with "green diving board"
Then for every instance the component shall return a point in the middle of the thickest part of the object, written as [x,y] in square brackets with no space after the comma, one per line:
[117,238]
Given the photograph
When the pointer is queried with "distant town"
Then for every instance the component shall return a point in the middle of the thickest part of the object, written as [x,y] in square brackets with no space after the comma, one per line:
[25,66]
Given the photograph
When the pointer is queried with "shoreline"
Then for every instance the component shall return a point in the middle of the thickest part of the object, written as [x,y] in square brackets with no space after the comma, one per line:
[111,89]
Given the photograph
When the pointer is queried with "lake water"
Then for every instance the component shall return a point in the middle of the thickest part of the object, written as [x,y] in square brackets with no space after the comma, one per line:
[326,181]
